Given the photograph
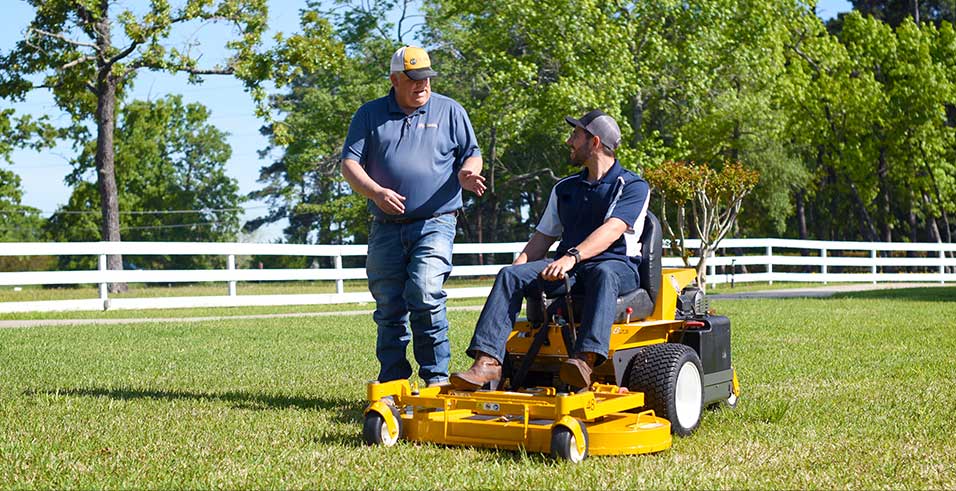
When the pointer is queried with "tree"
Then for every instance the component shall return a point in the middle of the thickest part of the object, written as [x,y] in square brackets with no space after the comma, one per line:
[171,171]
[304,185]
[714,196]
[71,47]
[895,12]
[20,223]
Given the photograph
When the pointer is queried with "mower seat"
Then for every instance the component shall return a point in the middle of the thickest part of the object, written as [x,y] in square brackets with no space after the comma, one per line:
[641,301]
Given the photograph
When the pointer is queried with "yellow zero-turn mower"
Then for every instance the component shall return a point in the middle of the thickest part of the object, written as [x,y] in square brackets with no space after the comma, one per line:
[668,359]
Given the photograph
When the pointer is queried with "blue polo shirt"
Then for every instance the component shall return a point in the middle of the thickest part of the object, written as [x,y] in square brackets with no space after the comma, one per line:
[577,208]
[416,155]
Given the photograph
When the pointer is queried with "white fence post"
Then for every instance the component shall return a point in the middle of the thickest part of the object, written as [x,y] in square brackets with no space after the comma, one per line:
[823,265]
[231,265]
[873,266]
[770,263]
[942,266]
[339,283]
[104,287]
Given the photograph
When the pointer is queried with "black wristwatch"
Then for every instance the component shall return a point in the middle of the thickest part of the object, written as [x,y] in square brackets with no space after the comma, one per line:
[576,253]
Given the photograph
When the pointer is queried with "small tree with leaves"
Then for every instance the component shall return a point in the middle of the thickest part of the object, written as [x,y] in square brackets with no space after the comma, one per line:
[714,197]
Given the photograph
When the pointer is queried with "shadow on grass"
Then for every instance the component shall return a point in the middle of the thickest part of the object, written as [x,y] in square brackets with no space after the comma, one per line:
[930,294]
[342,410]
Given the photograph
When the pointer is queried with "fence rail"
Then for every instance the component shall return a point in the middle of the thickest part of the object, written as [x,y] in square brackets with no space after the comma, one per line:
[737,260]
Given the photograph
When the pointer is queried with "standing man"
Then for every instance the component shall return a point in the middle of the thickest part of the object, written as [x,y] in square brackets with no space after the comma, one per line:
[411,153]
[599,215]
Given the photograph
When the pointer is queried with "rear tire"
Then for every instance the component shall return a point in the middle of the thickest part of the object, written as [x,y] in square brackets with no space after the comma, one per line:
[671,378]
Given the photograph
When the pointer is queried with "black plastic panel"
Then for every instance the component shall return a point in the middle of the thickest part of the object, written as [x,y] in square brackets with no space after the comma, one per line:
[711,342]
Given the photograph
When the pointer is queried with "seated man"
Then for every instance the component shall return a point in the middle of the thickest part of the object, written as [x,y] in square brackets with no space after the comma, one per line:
[599,215]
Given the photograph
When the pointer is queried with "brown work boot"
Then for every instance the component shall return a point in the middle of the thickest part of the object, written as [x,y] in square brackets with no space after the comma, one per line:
[576,371]
[485,370]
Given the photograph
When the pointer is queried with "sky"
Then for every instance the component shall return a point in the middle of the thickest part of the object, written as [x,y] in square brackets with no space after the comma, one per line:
[232,109]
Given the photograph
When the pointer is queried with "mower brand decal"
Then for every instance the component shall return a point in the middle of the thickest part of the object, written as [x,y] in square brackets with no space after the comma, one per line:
[491,406]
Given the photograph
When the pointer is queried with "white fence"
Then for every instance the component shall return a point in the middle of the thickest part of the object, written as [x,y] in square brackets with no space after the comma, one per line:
[738,260]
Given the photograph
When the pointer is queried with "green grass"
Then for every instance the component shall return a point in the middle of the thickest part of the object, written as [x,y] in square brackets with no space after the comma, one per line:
[851,392]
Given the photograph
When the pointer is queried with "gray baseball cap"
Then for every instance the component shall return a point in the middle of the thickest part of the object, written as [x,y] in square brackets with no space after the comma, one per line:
[600,125]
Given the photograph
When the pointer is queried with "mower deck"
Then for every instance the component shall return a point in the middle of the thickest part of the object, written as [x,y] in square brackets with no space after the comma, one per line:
[597,419]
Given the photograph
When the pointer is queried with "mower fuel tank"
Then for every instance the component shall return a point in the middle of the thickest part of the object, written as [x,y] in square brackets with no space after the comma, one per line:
[712,344]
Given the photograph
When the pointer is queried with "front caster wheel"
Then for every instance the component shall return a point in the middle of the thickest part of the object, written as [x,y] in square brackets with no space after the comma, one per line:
[375,431]
[565,446]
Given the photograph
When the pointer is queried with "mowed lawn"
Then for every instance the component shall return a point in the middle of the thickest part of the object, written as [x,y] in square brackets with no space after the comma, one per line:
[851,392]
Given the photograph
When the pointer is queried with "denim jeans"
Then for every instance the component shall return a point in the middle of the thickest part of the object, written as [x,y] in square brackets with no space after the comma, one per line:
[601,281]
[407,266]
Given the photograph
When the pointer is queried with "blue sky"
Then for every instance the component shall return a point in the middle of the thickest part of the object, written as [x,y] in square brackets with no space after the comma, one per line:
[232,109]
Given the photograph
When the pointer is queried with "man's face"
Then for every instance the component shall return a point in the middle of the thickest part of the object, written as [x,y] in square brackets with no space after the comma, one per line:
[580,144]
[410,93]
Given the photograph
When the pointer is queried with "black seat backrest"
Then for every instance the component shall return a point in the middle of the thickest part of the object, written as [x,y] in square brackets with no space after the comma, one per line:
[652,245]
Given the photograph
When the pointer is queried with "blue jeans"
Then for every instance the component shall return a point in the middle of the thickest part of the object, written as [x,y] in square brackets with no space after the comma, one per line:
[602,282]
[407,266]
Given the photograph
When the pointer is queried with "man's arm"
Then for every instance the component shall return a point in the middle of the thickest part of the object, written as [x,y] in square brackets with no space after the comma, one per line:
[469,176]
[387,200]
[595,243]
[536,248]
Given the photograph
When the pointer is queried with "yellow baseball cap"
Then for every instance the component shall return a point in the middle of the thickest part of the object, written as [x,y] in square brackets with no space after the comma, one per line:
[414,62]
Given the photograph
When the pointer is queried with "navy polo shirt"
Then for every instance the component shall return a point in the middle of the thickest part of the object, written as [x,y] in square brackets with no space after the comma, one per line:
[416,155]
[577,208]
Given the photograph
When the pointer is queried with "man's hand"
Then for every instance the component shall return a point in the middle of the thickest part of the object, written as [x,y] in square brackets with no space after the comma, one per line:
[389,201]
[472,181]
[558,269]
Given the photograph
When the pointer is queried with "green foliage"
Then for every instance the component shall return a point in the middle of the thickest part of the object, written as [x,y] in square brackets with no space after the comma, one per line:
[20,223]
[88,54]
[168,158]
[304,185]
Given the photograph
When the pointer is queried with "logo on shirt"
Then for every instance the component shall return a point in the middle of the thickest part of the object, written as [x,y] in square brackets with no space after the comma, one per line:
[428,125]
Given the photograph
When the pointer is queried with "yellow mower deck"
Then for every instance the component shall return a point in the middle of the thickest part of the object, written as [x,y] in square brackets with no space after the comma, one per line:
[601,421]
[526,419]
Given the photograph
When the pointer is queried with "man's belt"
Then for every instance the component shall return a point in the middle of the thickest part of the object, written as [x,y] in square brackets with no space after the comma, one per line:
[403,221]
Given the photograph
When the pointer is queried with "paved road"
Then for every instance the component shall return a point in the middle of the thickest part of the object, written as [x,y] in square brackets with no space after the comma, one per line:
[822,291]
[814,292]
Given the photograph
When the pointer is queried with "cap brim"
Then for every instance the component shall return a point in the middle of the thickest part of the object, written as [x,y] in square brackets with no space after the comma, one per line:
[574,122]
[421,73]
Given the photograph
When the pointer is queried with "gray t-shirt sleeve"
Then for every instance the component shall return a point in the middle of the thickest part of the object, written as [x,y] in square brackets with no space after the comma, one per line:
[464,135]
[354,146]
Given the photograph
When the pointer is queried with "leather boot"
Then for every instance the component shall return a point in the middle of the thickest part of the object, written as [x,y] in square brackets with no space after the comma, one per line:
[576,371]
[485,370]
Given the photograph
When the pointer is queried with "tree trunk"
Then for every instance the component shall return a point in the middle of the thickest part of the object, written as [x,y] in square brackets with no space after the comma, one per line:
[637,116]
[105,163]
[869,232]
[801,215]
[886,220]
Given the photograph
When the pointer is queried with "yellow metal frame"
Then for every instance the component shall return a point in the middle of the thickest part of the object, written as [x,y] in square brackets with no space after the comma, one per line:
[527,418]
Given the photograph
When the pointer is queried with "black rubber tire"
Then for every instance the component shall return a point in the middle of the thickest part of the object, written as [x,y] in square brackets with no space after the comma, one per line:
[654,371]
[564,447]
[373,430]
